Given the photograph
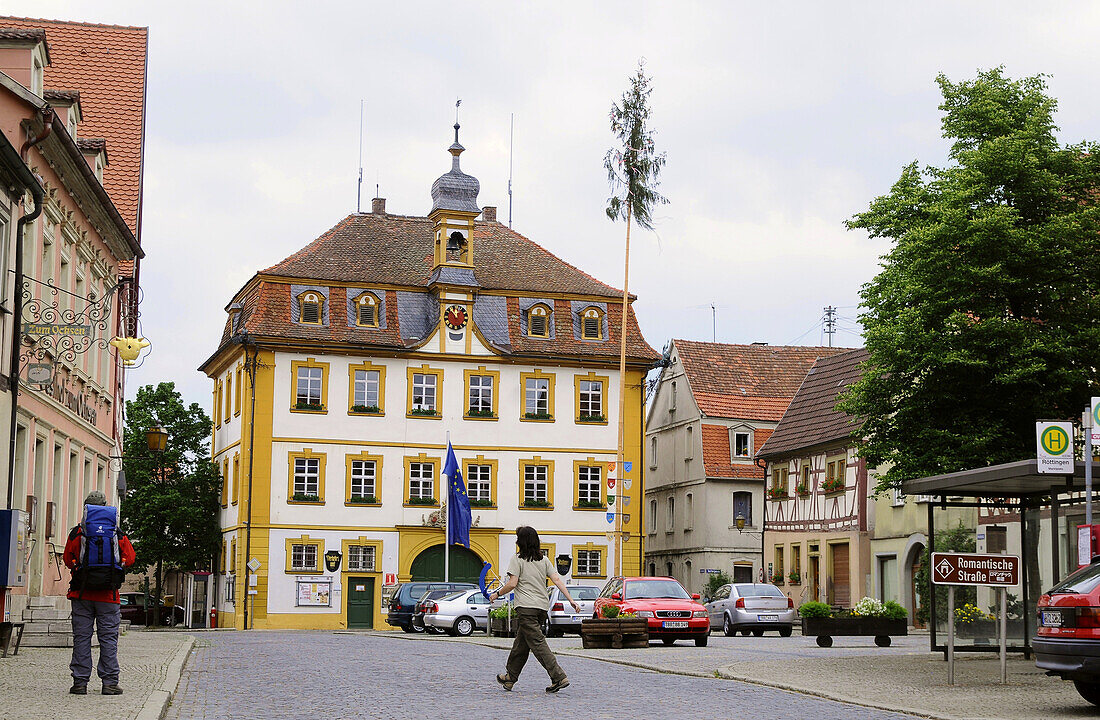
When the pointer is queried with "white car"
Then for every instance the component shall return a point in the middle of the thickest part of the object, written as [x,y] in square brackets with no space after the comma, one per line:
[561,618]
[458,613]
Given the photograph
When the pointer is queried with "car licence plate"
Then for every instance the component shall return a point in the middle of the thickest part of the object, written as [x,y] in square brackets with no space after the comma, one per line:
[1052,618]
[673,624]
[768,618]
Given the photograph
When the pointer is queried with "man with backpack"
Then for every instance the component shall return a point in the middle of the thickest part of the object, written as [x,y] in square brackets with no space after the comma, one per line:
[98,554]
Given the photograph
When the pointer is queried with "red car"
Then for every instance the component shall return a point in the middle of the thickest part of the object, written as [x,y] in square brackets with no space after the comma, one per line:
[1068,641]
[673,614]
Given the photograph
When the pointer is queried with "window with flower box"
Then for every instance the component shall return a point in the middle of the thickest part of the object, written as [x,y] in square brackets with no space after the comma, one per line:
[362,482]
[778,487]
[367,388]
[590,398]
[536,483]
[481,393]
[420,481]
[479,484]
[538,396]
[589,489]
[424,385]
[310,385]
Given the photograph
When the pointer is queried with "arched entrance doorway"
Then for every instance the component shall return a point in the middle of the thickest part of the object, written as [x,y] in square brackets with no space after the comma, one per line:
[465,564]
[912,566]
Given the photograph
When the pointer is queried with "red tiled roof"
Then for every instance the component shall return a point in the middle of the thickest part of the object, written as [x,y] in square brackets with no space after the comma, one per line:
[812,418]
[397,250]
[717,459]
[748,382]
[106,65]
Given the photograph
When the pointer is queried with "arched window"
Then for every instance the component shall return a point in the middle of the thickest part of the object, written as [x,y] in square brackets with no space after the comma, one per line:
[538,321]
[310,304]
[592,324]
[366,314]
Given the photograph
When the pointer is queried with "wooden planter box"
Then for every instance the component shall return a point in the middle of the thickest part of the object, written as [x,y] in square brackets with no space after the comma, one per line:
[615,633]
[880,628]
[500,627]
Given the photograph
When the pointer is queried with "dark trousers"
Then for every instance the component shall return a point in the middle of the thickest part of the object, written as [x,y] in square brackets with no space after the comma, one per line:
[105,617]
[529,639]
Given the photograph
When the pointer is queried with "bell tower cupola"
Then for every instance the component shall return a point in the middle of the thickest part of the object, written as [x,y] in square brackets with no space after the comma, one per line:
[454,209]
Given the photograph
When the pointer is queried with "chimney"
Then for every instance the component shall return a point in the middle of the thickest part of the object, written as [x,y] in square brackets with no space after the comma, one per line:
[378,206]
[489,213]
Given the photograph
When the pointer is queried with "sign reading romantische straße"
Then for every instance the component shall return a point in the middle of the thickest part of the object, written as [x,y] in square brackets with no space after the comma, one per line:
[974,569]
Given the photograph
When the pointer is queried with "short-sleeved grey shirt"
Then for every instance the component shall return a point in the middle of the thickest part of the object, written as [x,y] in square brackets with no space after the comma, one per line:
[531,588]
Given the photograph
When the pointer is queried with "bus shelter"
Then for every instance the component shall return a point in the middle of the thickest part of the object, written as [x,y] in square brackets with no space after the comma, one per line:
[1038,514]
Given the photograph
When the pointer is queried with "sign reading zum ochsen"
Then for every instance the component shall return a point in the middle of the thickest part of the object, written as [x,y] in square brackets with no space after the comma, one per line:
[38,329]
[975,569]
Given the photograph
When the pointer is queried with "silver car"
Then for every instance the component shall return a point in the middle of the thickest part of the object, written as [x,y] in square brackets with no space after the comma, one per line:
[561,618]
[751,607]
[458,613]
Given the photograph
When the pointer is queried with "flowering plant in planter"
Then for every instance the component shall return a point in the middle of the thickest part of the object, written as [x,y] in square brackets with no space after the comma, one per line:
[969,613]
[795,577]
[366,409]
[832,485]
[777,492]
[610,611]
[802,489]
[777,578]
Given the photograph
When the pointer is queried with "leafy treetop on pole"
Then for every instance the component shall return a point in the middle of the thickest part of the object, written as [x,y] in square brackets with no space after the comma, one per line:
[985,316]
[633,169]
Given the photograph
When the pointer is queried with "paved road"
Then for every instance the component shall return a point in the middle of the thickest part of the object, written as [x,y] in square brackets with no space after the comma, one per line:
[277,675]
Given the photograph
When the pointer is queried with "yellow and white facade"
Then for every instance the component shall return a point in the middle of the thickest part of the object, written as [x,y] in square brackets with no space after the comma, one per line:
[338,380]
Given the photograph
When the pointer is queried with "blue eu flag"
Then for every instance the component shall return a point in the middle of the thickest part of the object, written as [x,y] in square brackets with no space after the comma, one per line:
[458,506]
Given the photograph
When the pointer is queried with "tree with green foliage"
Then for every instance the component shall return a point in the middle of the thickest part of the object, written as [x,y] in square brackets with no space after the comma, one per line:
[985,316]
[170,510]
[715,581]
[957,539]
[633,167]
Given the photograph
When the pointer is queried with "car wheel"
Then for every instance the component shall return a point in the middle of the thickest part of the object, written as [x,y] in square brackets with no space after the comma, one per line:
[417,625]
[758,632]
[745,633]
[701,641]
[727,627]
[824,641]
[408,628]
[1088,690]
[668,641]
[785,632]
[882,640]
[546,627]
[464,626]
[166,620]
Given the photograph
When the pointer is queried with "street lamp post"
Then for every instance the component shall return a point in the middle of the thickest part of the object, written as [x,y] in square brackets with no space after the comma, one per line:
[156,439]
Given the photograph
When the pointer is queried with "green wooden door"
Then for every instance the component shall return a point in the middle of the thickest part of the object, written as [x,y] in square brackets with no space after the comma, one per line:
[465,565]
[360,602]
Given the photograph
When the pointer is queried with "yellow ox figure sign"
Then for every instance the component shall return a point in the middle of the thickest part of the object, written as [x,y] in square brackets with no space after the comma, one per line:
[129,348]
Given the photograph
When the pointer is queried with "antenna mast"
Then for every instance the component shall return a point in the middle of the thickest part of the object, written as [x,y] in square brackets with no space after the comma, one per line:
[511,131]
[359,188]
[713,323]
[830,323]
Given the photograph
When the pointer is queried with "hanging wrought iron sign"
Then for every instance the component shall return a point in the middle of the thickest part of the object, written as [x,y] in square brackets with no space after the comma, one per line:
[40,374]
[59,333]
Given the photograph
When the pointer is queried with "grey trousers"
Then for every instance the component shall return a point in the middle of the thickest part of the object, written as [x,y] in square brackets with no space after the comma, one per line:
[529,639]
[105,616]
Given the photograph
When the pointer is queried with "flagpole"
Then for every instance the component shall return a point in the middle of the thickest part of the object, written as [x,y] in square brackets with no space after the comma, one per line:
[446,510]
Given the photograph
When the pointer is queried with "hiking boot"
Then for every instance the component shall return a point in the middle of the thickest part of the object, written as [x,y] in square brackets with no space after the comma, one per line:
[506,681]
[563,683]
[79,688]
[116,690]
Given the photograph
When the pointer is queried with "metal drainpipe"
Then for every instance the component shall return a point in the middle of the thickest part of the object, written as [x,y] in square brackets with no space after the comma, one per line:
[251,370]
[17,300]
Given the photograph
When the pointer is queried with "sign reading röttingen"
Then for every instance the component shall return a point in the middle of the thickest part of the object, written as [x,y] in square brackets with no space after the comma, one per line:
[1054,447]
[975,569]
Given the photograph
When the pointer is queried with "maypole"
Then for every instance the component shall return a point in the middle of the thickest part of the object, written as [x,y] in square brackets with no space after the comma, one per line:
[632,171]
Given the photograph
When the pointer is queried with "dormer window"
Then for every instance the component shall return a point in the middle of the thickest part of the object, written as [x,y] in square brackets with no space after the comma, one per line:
[366,310]
[538,321]
[310,304]
[37,77]
[740,444]
[592,324]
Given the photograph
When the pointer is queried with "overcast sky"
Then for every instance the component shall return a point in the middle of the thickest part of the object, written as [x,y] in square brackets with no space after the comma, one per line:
[778,123]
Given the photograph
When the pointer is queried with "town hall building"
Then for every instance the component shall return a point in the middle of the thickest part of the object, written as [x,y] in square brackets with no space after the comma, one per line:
[343,370]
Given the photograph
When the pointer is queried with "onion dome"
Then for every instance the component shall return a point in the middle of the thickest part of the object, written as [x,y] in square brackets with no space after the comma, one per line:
[455,190]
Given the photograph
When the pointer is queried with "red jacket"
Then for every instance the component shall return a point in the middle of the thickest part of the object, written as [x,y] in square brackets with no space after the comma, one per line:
[72,559]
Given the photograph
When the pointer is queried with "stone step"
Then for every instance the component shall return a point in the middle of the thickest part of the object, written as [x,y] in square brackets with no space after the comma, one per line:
[43,640]
[35,614]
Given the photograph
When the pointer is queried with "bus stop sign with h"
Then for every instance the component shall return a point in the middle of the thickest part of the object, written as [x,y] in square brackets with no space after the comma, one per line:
[951,569]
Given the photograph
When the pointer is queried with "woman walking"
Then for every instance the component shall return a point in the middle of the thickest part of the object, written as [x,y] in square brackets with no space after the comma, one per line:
[527,574]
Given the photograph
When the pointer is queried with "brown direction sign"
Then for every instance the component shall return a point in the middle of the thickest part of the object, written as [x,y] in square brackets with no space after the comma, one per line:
[975,569]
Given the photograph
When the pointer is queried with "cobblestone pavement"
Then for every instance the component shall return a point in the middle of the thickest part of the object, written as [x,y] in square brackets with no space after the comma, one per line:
[904,677]
[35,683]
[275,675]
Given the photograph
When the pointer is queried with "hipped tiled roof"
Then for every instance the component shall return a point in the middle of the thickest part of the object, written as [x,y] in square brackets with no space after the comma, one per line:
[812,418]
[106,65]
[748,382]
[394,250]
